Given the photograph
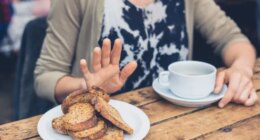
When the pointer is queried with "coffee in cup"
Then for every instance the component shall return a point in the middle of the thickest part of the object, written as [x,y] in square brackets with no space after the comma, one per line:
[189,79]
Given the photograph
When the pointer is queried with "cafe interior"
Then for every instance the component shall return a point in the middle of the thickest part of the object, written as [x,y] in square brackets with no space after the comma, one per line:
[23,27]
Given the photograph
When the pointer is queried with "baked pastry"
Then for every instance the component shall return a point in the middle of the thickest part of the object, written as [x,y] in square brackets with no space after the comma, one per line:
[57,125]
[83,96]
[110,114]
[80,116]
[93,133]
[113,133]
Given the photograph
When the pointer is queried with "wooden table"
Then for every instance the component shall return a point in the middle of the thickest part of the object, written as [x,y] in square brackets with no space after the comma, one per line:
[168,121]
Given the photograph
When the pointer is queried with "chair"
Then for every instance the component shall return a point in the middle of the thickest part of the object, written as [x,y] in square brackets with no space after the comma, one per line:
[26,102]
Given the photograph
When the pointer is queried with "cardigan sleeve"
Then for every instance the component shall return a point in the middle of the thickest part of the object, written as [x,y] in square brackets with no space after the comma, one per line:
[58,48]
[219,30]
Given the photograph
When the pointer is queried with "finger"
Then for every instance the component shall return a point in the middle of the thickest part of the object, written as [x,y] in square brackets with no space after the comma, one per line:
[252,98]
[116,52]
[106,49]
[127,71]
[84,67]
[245,94]
[96,61]
[234,82]
[219,81]
[245,86]
[86,73]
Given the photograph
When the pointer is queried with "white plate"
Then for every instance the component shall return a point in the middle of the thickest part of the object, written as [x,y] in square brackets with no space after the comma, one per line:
[135,117]
[171,97]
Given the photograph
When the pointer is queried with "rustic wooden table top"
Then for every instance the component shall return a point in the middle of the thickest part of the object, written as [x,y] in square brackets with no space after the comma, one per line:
[169,121]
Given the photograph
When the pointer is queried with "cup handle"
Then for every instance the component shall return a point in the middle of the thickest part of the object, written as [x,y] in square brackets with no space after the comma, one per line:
[164,78]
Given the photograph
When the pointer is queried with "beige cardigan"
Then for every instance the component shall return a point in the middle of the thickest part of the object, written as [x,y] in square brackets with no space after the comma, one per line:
[75,26]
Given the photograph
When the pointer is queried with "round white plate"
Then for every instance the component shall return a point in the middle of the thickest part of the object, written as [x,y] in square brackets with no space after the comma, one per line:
[135,117]
[171,97]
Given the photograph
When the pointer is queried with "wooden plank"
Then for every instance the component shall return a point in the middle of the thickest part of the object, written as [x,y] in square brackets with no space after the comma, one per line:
[257,66]
[20,129]
[246,130]
[258,61]
[257,69]
[257,85]
[162,110]
[256,76]
[201,122]
[138,97]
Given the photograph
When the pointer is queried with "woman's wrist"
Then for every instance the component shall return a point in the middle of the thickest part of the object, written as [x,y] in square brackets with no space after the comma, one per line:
[66,85]
[244,67]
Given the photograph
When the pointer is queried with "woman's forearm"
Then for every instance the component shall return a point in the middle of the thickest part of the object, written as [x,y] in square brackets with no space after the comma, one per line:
[66,85]
[240,55]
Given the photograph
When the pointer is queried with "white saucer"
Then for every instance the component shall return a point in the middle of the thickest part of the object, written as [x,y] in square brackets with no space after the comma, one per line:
[134,116]
[168,95]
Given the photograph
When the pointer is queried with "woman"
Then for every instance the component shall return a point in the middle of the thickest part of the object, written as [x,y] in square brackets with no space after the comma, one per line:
[154,33]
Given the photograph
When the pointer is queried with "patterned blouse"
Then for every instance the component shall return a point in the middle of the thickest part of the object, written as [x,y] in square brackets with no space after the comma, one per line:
[154,36]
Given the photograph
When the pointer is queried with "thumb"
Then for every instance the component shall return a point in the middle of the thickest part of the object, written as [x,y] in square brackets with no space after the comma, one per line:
[220,79]
[84,67]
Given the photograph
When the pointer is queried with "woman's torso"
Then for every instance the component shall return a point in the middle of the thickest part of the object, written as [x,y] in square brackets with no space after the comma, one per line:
[154,36]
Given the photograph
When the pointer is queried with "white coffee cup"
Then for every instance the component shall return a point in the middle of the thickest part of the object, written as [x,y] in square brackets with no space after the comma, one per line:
[189,79]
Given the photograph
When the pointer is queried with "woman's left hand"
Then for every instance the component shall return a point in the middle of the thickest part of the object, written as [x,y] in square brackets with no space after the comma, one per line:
[240,86]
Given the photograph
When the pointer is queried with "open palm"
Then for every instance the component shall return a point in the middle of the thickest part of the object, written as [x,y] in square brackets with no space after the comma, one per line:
[106,72]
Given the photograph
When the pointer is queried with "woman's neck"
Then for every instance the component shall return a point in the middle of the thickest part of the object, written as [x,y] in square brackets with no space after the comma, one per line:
[141,3]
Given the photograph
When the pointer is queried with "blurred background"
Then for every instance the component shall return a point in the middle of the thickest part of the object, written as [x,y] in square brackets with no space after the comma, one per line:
[22,29]
[14,16]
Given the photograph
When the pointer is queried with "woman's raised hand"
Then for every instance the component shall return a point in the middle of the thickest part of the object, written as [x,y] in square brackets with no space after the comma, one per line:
[106,72]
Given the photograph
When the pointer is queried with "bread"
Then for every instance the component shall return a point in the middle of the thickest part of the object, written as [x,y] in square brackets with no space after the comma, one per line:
[82,96]
[111,114]
[93,133]
[80,121]
[80,116]
[113,133]
[57,124]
